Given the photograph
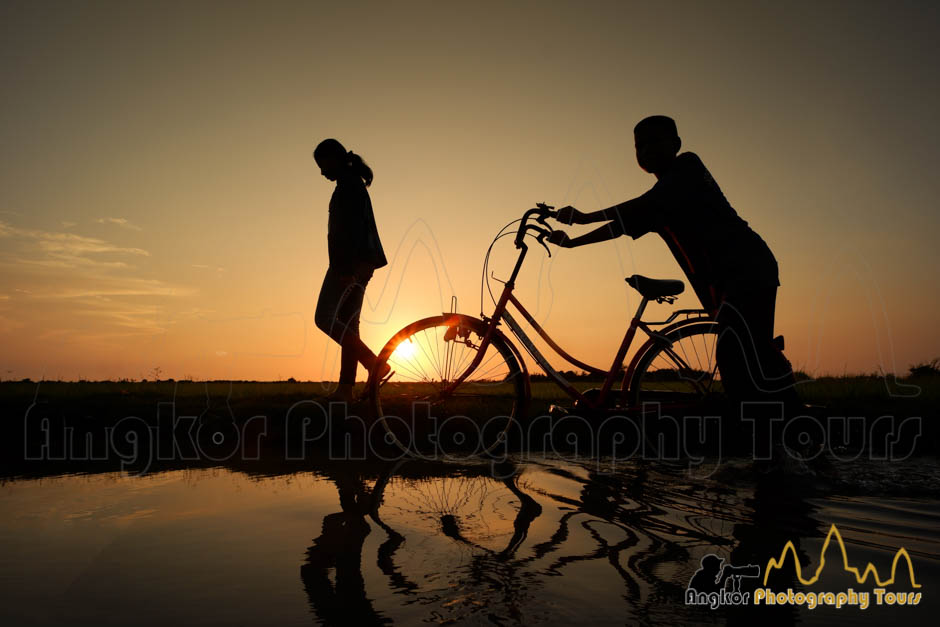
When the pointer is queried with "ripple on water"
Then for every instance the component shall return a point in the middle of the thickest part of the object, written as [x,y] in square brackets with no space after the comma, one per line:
[544,540]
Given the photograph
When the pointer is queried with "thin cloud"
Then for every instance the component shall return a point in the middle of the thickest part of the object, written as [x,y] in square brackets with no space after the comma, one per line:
[144,318]
[70,243]
[84,280]
[121,222]
[68,261]
[194,312]
[83,336]
[117,286]
[67,250]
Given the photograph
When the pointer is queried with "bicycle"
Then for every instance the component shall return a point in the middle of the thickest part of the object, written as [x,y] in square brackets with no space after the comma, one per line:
[448,367]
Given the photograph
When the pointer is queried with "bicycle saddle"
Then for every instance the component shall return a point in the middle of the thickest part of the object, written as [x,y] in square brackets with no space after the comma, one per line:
[655,288]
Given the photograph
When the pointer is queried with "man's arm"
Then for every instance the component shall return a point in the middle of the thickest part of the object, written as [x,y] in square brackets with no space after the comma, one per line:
[631,217]
[607,232]
[619,212]
[610,213]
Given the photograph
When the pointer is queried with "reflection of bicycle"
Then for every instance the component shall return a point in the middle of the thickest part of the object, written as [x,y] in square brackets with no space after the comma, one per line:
[452,367]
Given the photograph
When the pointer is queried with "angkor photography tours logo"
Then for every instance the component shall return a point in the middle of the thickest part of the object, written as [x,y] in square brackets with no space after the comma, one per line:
[717,583]
[899,588]
[832,580]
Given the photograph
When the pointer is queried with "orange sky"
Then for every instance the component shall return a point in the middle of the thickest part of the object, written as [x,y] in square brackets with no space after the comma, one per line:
[159,206]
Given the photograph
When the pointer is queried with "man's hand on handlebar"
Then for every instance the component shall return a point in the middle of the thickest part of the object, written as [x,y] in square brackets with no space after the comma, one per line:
[570,215]
[559,238]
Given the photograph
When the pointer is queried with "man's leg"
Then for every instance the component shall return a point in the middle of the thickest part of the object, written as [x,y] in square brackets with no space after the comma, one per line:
[777,381]
[733,333]
[751,365]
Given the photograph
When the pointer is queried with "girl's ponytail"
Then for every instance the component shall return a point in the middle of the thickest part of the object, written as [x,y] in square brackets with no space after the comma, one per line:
[334,150]
[359,167]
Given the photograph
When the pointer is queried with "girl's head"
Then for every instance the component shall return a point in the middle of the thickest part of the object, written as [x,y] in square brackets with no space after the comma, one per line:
[335,162]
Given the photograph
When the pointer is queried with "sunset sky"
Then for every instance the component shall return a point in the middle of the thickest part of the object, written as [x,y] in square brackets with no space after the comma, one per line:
[159,206]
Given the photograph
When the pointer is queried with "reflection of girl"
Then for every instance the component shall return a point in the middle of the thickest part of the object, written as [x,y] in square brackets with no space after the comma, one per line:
[355,252]
[343,601]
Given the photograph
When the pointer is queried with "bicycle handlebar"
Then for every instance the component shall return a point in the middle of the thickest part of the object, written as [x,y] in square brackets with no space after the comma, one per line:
[542,212]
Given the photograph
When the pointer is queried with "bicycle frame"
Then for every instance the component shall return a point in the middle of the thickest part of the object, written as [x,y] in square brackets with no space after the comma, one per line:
[501,313]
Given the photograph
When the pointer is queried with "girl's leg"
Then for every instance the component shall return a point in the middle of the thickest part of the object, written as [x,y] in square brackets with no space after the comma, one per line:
[337,315]
[354,349]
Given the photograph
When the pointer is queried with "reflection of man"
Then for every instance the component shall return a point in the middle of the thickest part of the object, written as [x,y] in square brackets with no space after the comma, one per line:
[710,577]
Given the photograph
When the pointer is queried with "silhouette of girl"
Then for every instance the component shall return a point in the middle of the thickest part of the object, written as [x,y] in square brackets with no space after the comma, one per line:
[355,252]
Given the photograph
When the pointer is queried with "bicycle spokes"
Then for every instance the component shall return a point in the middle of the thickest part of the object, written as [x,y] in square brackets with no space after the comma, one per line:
[446,374]
[682,370]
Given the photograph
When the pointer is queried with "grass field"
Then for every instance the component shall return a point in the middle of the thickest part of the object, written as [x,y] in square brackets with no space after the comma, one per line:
[103,402]
[57,417]
[866,392]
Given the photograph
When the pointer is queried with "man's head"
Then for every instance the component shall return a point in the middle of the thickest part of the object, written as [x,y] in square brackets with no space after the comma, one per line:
[657,143]
[711,563]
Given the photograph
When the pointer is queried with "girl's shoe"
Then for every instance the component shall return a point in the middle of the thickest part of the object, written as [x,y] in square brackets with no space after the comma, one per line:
[342,394]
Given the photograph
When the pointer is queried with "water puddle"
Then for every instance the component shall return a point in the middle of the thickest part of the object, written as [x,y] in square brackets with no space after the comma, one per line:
[540,541]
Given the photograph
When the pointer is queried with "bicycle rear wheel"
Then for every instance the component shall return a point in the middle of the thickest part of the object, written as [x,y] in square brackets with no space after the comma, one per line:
[681,372]
[416,406]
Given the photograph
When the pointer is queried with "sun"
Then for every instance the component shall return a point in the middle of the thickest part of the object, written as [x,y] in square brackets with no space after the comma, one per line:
[406,350]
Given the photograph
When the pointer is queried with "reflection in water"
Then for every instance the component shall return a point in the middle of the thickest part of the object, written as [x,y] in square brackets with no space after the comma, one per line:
[780,513]
[640,528]
[548,541]
[339,547]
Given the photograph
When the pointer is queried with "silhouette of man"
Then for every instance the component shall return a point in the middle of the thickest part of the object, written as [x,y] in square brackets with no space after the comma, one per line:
[730,267]
[710,577]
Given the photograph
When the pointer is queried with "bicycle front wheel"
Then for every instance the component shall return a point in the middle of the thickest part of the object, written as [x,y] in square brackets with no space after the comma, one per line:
[419,407]
[679,370]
